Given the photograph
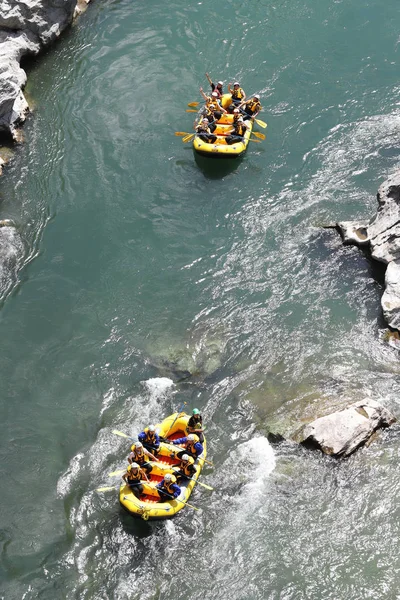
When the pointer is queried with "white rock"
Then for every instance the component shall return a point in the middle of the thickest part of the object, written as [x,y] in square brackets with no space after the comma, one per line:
[25,28]
[382,236]
[341,433]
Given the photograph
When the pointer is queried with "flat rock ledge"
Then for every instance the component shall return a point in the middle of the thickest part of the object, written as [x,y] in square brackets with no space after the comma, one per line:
[341,433]
[26,27]
[381,235]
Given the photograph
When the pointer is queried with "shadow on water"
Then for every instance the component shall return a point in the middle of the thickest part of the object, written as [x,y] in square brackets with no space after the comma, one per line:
[135,526]
[214,168]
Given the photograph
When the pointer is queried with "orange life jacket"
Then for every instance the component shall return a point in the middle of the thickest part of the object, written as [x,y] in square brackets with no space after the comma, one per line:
[240,129]
[139,455]
[213,104]
[190,447]
[134,477]
[185,467]
[203,128]
[253,105]
[150,437]
[237,94]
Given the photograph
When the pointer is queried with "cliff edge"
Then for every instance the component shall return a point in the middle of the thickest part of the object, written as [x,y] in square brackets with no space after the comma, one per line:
[26,27]
[382,237]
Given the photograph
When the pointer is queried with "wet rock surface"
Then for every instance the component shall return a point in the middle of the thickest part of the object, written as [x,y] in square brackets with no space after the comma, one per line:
[382,236]
[343,432]
[25,28]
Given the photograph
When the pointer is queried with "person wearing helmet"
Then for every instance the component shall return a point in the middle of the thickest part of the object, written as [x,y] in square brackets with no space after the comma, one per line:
[150,439]
[236,114]
[167,488]
[195,424]
[251,108]
[133,477]
[237,94]
[213,109]
[186,468]
[203,131]
[216,87]
[191,445]
[237,132]
[213,112]
[139,455]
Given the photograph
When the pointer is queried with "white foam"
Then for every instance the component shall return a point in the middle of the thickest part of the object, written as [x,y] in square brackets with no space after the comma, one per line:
[70,476]
[256,459]
[11,256]
[158,386]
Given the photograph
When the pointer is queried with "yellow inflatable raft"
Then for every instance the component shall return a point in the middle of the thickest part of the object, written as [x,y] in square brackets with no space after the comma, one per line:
[220,149]
[148,506]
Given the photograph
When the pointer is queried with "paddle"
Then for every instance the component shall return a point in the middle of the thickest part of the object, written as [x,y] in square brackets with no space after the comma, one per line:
[120,433]
[183,134]
[262,136]
[186,503]
[261,123]
[208,487]
[188,137]
[191,110]
[121,471]
[173,445]
[106,489]
[183,403]
[193,103]
[115,473]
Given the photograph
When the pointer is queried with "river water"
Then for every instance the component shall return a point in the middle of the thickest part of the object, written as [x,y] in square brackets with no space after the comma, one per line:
[132,265]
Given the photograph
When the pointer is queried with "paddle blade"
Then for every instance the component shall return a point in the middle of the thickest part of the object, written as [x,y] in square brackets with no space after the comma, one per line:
[191,110]
[193,104]
[181,133]
[261,123]
[106,489]
[253,140]
[188,138]
[190,505]
[115,473]
[208,487]
[261,136]
[120,433]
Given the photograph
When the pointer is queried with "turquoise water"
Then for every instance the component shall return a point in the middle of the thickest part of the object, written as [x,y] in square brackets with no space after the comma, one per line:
[132,265]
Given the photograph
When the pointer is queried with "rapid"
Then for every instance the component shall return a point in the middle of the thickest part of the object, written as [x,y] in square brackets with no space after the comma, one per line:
[135,277]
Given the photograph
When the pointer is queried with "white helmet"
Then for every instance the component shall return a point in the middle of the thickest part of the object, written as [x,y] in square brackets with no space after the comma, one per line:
[236,83]
[185,457]
[256,97]
[220,83]
[138,445]
[151,428]
[191,437]
[134,465]
[236,110]
[215,94]
[167,476]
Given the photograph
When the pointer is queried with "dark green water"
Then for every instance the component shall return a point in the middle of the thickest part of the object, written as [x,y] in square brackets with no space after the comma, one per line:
[133,263]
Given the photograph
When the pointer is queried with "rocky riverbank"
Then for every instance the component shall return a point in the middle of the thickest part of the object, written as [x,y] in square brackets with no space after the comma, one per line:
[26,28]
[381,236]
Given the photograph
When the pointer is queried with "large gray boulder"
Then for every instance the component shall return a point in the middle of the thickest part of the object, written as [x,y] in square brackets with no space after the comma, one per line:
[25,28]
[382,236]
[45,19]
[341,433]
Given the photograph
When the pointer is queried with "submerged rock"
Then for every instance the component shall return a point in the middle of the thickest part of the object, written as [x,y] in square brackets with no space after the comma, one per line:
[341,433]
[382,236]
[25,28]
[197,358]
